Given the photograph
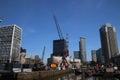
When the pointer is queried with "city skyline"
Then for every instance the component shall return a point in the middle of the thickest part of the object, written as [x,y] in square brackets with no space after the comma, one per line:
[80,18]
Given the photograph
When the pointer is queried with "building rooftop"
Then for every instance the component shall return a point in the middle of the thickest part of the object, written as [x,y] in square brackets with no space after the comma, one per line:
[108,25]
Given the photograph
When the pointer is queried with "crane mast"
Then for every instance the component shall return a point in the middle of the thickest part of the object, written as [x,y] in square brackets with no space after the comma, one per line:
[43,53]
[1,19]
[61,36]
[58,27]
[62,47]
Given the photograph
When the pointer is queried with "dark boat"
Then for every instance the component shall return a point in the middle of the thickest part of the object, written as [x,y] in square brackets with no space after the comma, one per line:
[77,71]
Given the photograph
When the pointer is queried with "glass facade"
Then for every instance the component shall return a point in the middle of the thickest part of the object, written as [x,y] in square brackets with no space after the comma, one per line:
[82,47]
[108,42]
[10,37]
[77,54]
[94,57]
[100,57]
[60,48]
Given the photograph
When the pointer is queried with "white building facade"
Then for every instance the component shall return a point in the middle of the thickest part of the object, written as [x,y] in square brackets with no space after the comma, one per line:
[10,39]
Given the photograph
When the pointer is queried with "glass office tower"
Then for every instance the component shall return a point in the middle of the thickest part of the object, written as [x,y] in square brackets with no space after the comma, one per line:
[82,47]
[94,55]
[108,42]
[10,38]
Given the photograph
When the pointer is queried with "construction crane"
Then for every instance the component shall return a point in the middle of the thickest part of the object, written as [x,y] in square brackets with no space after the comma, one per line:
[63,62]
[43,53]
[61,36]
[1,19]
[58,27]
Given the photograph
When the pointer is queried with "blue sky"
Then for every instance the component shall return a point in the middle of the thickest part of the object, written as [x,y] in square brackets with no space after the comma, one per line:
[78,18]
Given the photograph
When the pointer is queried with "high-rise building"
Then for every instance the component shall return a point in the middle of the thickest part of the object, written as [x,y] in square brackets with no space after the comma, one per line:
[60,48]
[100,57]
[82,47]
[77,54]
[108,42]
[10,38]
[94,56]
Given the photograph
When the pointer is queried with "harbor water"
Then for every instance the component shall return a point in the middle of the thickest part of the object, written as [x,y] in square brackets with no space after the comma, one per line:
[72,76]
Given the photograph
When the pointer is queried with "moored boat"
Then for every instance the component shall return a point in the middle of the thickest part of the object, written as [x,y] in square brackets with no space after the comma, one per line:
[77,71]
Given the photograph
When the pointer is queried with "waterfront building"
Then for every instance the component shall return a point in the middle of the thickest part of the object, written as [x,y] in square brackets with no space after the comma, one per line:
[94,57]
[38,60]
[82,48]
[108,42]
[116,60]
[10,39]
[60,48]
[100,57]
[22,55]
[30,60]
[77,54]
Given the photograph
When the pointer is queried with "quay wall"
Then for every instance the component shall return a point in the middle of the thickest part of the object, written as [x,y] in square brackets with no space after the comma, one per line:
[40,74]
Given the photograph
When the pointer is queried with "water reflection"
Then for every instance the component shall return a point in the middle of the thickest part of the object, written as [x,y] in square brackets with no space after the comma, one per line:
[82,77]
[103,78]
[70,77]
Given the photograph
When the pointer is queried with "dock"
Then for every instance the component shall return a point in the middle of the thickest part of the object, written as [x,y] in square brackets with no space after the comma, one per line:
[33,75]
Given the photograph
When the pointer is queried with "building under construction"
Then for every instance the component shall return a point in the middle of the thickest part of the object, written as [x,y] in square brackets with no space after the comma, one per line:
[60,48]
